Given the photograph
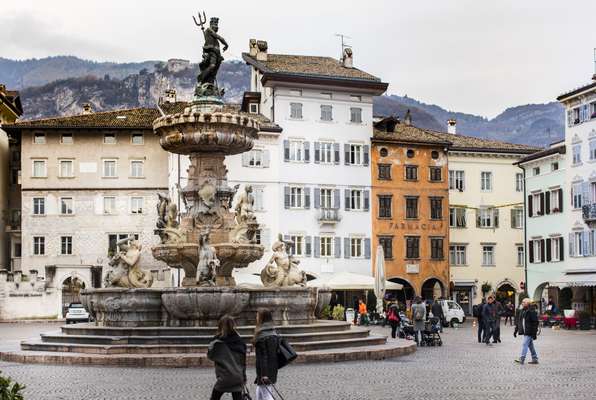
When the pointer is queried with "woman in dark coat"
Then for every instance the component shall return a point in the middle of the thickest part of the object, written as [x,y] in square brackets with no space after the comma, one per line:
[228,352]
[266,344]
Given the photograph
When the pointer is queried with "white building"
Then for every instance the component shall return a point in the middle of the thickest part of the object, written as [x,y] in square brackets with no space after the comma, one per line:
[580,140]
[547,208]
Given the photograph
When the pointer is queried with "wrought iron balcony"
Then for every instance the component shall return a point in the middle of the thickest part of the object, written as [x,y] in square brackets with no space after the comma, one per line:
[589,212]
[329,215]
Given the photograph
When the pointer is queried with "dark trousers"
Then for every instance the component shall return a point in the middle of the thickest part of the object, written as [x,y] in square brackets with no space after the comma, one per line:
[497,331]
[510,318]
[216,395]
[480,329]
[489,331]
[393,325]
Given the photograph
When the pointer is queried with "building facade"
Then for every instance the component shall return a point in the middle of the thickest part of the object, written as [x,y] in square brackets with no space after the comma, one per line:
[547,206]
[580,141]
[410,204]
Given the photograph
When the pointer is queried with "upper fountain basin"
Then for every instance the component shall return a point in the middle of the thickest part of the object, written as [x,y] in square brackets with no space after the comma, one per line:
[196,130]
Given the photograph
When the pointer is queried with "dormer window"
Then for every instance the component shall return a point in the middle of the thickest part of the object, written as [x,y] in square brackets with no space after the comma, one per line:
[66,138]
[39,138]
[253,108]
[109,138]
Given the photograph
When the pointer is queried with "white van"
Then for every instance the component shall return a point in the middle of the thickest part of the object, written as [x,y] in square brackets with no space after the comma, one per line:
[453,312]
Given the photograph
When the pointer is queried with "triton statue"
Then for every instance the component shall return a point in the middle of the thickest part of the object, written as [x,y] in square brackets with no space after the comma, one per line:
[212,58]
[126,271]
[282,270]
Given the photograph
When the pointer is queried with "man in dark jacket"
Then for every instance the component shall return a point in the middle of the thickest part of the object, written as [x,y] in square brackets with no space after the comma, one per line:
[437,310]
[477,311]
[527,325]
[497,333]
[489,317]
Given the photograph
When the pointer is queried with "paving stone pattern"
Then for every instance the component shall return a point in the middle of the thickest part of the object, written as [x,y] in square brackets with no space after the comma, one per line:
[461,369]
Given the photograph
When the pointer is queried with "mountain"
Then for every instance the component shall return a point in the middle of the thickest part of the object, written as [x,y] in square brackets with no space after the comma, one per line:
[60,85]
[19,74]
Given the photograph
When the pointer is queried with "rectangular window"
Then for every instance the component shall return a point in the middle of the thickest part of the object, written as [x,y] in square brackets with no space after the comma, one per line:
[488,255]
[386,243]
[296,150]
[113,240]
[537,204]
[296,110]
[39,206]
[356,199]
[258,192]
[487,217]
[517,218]
[109,205]
[385,206]
[412,246]
[385,171]
[66,206]
[66,138]
[536,171]
[435,174]
[555,250]
[576,151]
[109,168]
[326,113]
[520,254]
[136,169]
[411,173]
[356,245]
[255,158]
[39,245]
[436,248]
[253,108]
[576,116]
[66,245]
[66,168]
[296,197]
[297,245]
[554,196]
[554,166]
[537,250]
[578,242]
[436,208]
[39,169]
[486,181]
[326,198]
[457,180]
[593,149]
[519,182]
[576,190]
[356,156]
[137,138]
[457,254]
[411,207]
[326,246]
[39,138]
[136,205]
[457,217]
[356,115]
[326,154]
[109,138]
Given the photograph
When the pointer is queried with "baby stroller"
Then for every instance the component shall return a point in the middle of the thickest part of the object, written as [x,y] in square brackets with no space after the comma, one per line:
[406,329]
[430,335]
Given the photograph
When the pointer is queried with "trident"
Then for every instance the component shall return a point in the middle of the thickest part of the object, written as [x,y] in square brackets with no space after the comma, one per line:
[202,20]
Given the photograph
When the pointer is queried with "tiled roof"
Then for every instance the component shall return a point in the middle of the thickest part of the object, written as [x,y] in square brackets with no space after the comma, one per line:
[591,85]
[133,118]
[411,134]
[308,66]
[547,152]
[12,100]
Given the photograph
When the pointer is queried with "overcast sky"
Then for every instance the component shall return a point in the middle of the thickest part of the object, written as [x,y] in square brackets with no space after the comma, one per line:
[471,56]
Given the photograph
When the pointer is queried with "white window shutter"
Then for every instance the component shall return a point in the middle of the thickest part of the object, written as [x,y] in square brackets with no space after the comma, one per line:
[571,244]
[266,158]
[245,158]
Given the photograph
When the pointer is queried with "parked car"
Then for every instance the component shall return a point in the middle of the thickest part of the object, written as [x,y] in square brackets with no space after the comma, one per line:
[76,313]
[453,312]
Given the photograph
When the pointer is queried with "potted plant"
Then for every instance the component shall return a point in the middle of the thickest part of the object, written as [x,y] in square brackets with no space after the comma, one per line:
[585,320]
[339,313]
[486,287]
[326,312]
[10,390]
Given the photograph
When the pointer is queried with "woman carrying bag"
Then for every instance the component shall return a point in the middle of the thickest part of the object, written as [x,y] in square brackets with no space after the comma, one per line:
[228,352]
[266,343]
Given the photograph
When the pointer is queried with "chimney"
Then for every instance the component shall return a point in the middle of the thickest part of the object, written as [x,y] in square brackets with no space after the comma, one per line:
[170,96]
[347,59]
[408,118]
[252,47]
[452,126]
[261,50]
[2,88]
[87,109]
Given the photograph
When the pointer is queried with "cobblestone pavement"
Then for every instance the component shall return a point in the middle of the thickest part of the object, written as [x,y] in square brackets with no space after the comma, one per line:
[461,369]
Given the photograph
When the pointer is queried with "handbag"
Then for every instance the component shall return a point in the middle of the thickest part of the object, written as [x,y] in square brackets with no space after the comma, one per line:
[285,353]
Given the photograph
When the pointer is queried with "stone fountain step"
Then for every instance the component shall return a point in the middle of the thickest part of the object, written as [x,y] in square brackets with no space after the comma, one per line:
[112,349]
[339,344]
[91,329]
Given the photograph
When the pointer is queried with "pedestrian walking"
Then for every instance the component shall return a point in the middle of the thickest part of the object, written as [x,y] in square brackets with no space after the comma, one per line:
[228,353]
[266,342]
[419,315]
[393,319]
[509,312]
[500,311]
[363,312]
[489,317]
[437,310]
[477,312]
[527,325]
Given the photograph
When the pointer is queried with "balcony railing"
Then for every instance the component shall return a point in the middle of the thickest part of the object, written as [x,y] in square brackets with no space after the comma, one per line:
[329,215]
[589,212]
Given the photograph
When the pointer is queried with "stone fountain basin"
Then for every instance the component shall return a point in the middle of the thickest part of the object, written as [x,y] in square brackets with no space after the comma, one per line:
[238,254]
[121,307]
[177,253]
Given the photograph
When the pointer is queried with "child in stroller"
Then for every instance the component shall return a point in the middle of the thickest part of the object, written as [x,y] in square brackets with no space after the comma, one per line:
[406,329]
[430,335]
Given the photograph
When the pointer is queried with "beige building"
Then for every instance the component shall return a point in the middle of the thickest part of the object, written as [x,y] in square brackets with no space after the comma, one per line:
[86,182]
[10,111]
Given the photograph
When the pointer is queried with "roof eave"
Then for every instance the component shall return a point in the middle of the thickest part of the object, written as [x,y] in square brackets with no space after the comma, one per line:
[376,88]
[493,150]
[577,91]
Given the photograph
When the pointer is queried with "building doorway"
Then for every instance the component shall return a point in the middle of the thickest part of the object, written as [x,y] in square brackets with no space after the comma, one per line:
[71,292]
[506,293]
[406,294]
[432,289]
[464,296]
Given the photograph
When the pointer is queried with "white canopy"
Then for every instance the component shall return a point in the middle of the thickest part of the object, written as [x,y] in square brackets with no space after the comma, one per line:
[577,278]
[350,281]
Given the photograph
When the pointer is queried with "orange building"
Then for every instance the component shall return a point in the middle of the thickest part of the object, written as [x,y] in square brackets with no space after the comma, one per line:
[410,206]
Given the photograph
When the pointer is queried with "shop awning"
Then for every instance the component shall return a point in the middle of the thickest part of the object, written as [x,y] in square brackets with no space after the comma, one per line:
[350,281]
[577,278]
